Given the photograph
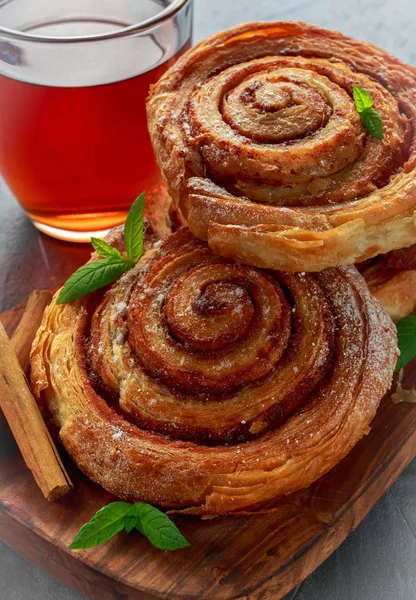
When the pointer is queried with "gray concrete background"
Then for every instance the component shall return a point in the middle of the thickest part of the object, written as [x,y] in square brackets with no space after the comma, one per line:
[377,561]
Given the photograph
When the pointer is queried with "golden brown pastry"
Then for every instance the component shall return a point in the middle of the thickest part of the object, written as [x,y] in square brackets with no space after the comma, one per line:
[259,140]
[200,383]
[392,279]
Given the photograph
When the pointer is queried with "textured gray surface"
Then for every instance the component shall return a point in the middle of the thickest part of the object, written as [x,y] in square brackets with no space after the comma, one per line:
[377,561]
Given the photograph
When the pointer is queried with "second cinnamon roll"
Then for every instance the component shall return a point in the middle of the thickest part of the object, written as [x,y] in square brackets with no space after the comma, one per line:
[260,142]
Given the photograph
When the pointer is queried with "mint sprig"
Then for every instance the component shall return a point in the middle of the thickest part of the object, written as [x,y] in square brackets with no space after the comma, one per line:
[370,118]
[148,520]
[406,334]
[111,266]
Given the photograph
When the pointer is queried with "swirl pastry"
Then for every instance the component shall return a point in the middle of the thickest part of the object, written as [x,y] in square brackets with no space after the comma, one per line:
[392,279]
[259,140]
[200,383]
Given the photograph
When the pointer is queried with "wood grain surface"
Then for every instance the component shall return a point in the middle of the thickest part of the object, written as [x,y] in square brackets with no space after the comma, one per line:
[255,557]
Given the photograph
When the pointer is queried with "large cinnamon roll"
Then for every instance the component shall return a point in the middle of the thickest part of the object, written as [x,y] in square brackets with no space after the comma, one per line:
[259,140]
[200,383]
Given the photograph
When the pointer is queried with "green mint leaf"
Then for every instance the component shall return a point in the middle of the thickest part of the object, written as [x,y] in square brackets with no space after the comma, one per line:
[104,525]
[133,229]
[139,527]
[370,118]
[91,277]
[406,333]
[372,122]
[362,99]
[104,249]
[148,520]
[158,528]
[130,520]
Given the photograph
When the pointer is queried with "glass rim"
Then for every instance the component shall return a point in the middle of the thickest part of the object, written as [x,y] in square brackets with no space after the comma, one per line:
[122,32]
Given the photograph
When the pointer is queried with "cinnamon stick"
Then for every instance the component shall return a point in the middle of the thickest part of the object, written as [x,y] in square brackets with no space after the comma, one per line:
[25,332]
[27,425]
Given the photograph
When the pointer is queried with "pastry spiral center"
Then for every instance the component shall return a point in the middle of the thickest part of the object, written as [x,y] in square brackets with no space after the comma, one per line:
[270,108]
[209,317]
[216,328]
[271,97]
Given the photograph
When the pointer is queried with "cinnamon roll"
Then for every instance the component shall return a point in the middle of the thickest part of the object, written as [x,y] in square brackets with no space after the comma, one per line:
[259,140]
[198,383]
[392,279]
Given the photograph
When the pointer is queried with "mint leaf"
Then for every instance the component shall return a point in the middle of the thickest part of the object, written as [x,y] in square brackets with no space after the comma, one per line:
[148,520]
[406,333]
[362,98]
[104,249]
[130,521]
[370,118]
[133,229]
[91,277]
[158,528]
[104,525]
[372,122]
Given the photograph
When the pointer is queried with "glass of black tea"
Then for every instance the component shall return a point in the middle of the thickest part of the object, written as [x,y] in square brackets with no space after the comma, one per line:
[74,77]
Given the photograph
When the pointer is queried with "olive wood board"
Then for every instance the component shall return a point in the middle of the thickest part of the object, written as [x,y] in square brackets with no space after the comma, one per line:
[252,557]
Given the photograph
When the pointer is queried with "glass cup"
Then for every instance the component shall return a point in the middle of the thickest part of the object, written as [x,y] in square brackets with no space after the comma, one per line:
[74,77]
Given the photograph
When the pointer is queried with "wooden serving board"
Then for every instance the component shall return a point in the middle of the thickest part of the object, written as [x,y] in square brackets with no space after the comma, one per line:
[253,558]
